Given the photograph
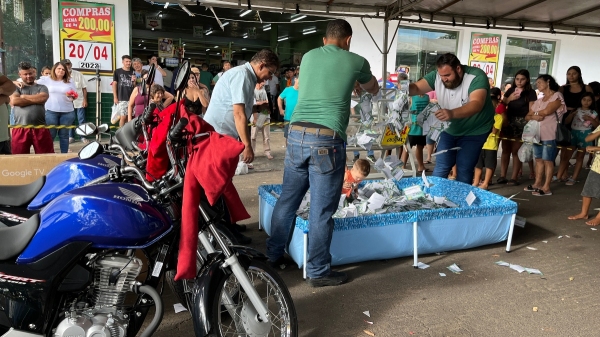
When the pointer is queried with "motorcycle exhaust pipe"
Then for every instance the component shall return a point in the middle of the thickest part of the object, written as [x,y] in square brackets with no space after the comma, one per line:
[158,304]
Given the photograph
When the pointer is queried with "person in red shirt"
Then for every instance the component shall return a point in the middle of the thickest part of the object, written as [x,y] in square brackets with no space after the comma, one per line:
[359,171]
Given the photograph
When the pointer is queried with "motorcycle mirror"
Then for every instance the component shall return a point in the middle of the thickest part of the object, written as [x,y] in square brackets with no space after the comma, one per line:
[151,74]
[103,128]
[86,129]
[90,150]
[182,76]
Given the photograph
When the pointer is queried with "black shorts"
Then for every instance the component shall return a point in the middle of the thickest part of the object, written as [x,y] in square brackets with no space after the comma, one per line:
[417,140]
[487,158]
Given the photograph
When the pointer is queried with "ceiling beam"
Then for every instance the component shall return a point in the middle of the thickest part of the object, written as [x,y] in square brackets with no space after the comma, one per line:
[403,9]
[587,11]
[445,6]
[481,22]
[522,8]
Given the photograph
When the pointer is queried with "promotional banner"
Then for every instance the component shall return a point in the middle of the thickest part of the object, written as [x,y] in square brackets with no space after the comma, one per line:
[165,47]
[153,22]
[485,51]
[87,36]
[226,54]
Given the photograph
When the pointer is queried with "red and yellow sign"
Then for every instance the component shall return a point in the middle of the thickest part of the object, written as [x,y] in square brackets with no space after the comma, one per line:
[87,35]
[485,51]
[390,138]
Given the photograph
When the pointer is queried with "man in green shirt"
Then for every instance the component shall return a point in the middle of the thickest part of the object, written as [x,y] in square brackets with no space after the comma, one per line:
[463,94]
[316,156]
[206,77]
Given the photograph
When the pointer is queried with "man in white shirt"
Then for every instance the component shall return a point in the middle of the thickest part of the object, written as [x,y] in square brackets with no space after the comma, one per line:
[226,66]
[81,102]
[273,93]
[159,73]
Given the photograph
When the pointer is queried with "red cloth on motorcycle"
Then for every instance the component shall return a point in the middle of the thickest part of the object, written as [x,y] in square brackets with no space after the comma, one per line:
[211,166]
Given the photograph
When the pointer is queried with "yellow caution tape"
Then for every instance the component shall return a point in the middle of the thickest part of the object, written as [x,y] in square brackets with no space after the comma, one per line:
[18,126]
[570,148]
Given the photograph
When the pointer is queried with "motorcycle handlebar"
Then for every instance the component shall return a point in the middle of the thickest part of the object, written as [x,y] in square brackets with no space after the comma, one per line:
[140,175]
[99,180]
[122,150]
[147,116]
[176,133]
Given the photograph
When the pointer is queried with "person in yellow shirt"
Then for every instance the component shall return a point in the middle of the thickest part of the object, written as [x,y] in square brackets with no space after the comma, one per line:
[489,152]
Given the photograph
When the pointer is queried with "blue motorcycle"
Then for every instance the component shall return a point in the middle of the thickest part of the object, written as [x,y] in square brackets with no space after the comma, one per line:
[68,270]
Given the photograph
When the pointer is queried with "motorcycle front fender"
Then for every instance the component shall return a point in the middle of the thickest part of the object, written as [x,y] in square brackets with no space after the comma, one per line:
[205,289]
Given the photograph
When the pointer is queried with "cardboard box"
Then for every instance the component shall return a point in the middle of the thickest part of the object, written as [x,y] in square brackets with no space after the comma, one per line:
[21,169]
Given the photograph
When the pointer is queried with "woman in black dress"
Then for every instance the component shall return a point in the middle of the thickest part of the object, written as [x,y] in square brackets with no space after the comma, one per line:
[518,100]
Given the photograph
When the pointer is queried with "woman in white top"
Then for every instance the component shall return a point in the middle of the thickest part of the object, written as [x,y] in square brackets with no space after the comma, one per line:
[59,106]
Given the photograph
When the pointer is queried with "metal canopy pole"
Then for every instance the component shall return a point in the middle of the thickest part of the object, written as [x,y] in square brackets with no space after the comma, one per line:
[386,25]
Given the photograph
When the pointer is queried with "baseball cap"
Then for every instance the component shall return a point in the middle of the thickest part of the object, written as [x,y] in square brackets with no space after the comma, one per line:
[65,61]
[195,70]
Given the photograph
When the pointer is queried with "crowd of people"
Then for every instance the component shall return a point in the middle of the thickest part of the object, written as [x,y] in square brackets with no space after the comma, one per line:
[316,116]
[57,97]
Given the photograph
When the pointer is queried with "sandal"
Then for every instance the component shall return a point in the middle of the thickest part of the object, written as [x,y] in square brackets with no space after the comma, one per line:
[427,162]
[541,193]
[513,182]
[530,188]
[570,182]
[502,180]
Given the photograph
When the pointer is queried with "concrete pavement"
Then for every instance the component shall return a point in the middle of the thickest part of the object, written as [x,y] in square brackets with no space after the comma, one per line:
[484,300]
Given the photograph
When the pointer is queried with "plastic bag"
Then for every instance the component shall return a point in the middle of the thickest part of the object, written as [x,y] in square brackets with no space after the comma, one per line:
[115,117]
[242,168]
[531,132]
[260,121]
[526,152]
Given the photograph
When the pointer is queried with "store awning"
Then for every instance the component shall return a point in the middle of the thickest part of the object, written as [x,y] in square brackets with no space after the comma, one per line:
[580,17]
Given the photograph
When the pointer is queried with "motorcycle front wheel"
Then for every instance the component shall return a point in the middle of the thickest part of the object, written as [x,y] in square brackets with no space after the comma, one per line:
[234,314]
[181,287]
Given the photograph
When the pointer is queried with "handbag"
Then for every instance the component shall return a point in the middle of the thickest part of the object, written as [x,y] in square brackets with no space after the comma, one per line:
[563,134]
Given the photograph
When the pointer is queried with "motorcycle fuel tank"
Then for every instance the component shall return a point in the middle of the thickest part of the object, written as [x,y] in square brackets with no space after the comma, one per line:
[119,216]
[71,174]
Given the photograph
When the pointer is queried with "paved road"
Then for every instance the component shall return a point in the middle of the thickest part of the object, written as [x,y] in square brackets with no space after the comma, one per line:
[484,300]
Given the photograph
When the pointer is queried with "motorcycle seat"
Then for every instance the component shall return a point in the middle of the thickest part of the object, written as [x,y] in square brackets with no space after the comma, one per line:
[20,195]
[13,240]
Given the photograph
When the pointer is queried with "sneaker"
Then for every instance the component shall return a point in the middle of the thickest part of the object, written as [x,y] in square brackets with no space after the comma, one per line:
[355,158]
[371,159]
[84,141]
[335,278]
[71,140]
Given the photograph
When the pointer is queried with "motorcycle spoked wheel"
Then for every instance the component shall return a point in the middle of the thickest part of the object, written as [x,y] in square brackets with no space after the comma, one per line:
[180,288]
[240,318]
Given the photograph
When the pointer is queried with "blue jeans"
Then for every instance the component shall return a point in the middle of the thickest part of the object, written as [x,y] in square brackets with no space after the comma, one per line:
[318,162]
[80,112]
[546,151]
[465,158]
[60,118]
